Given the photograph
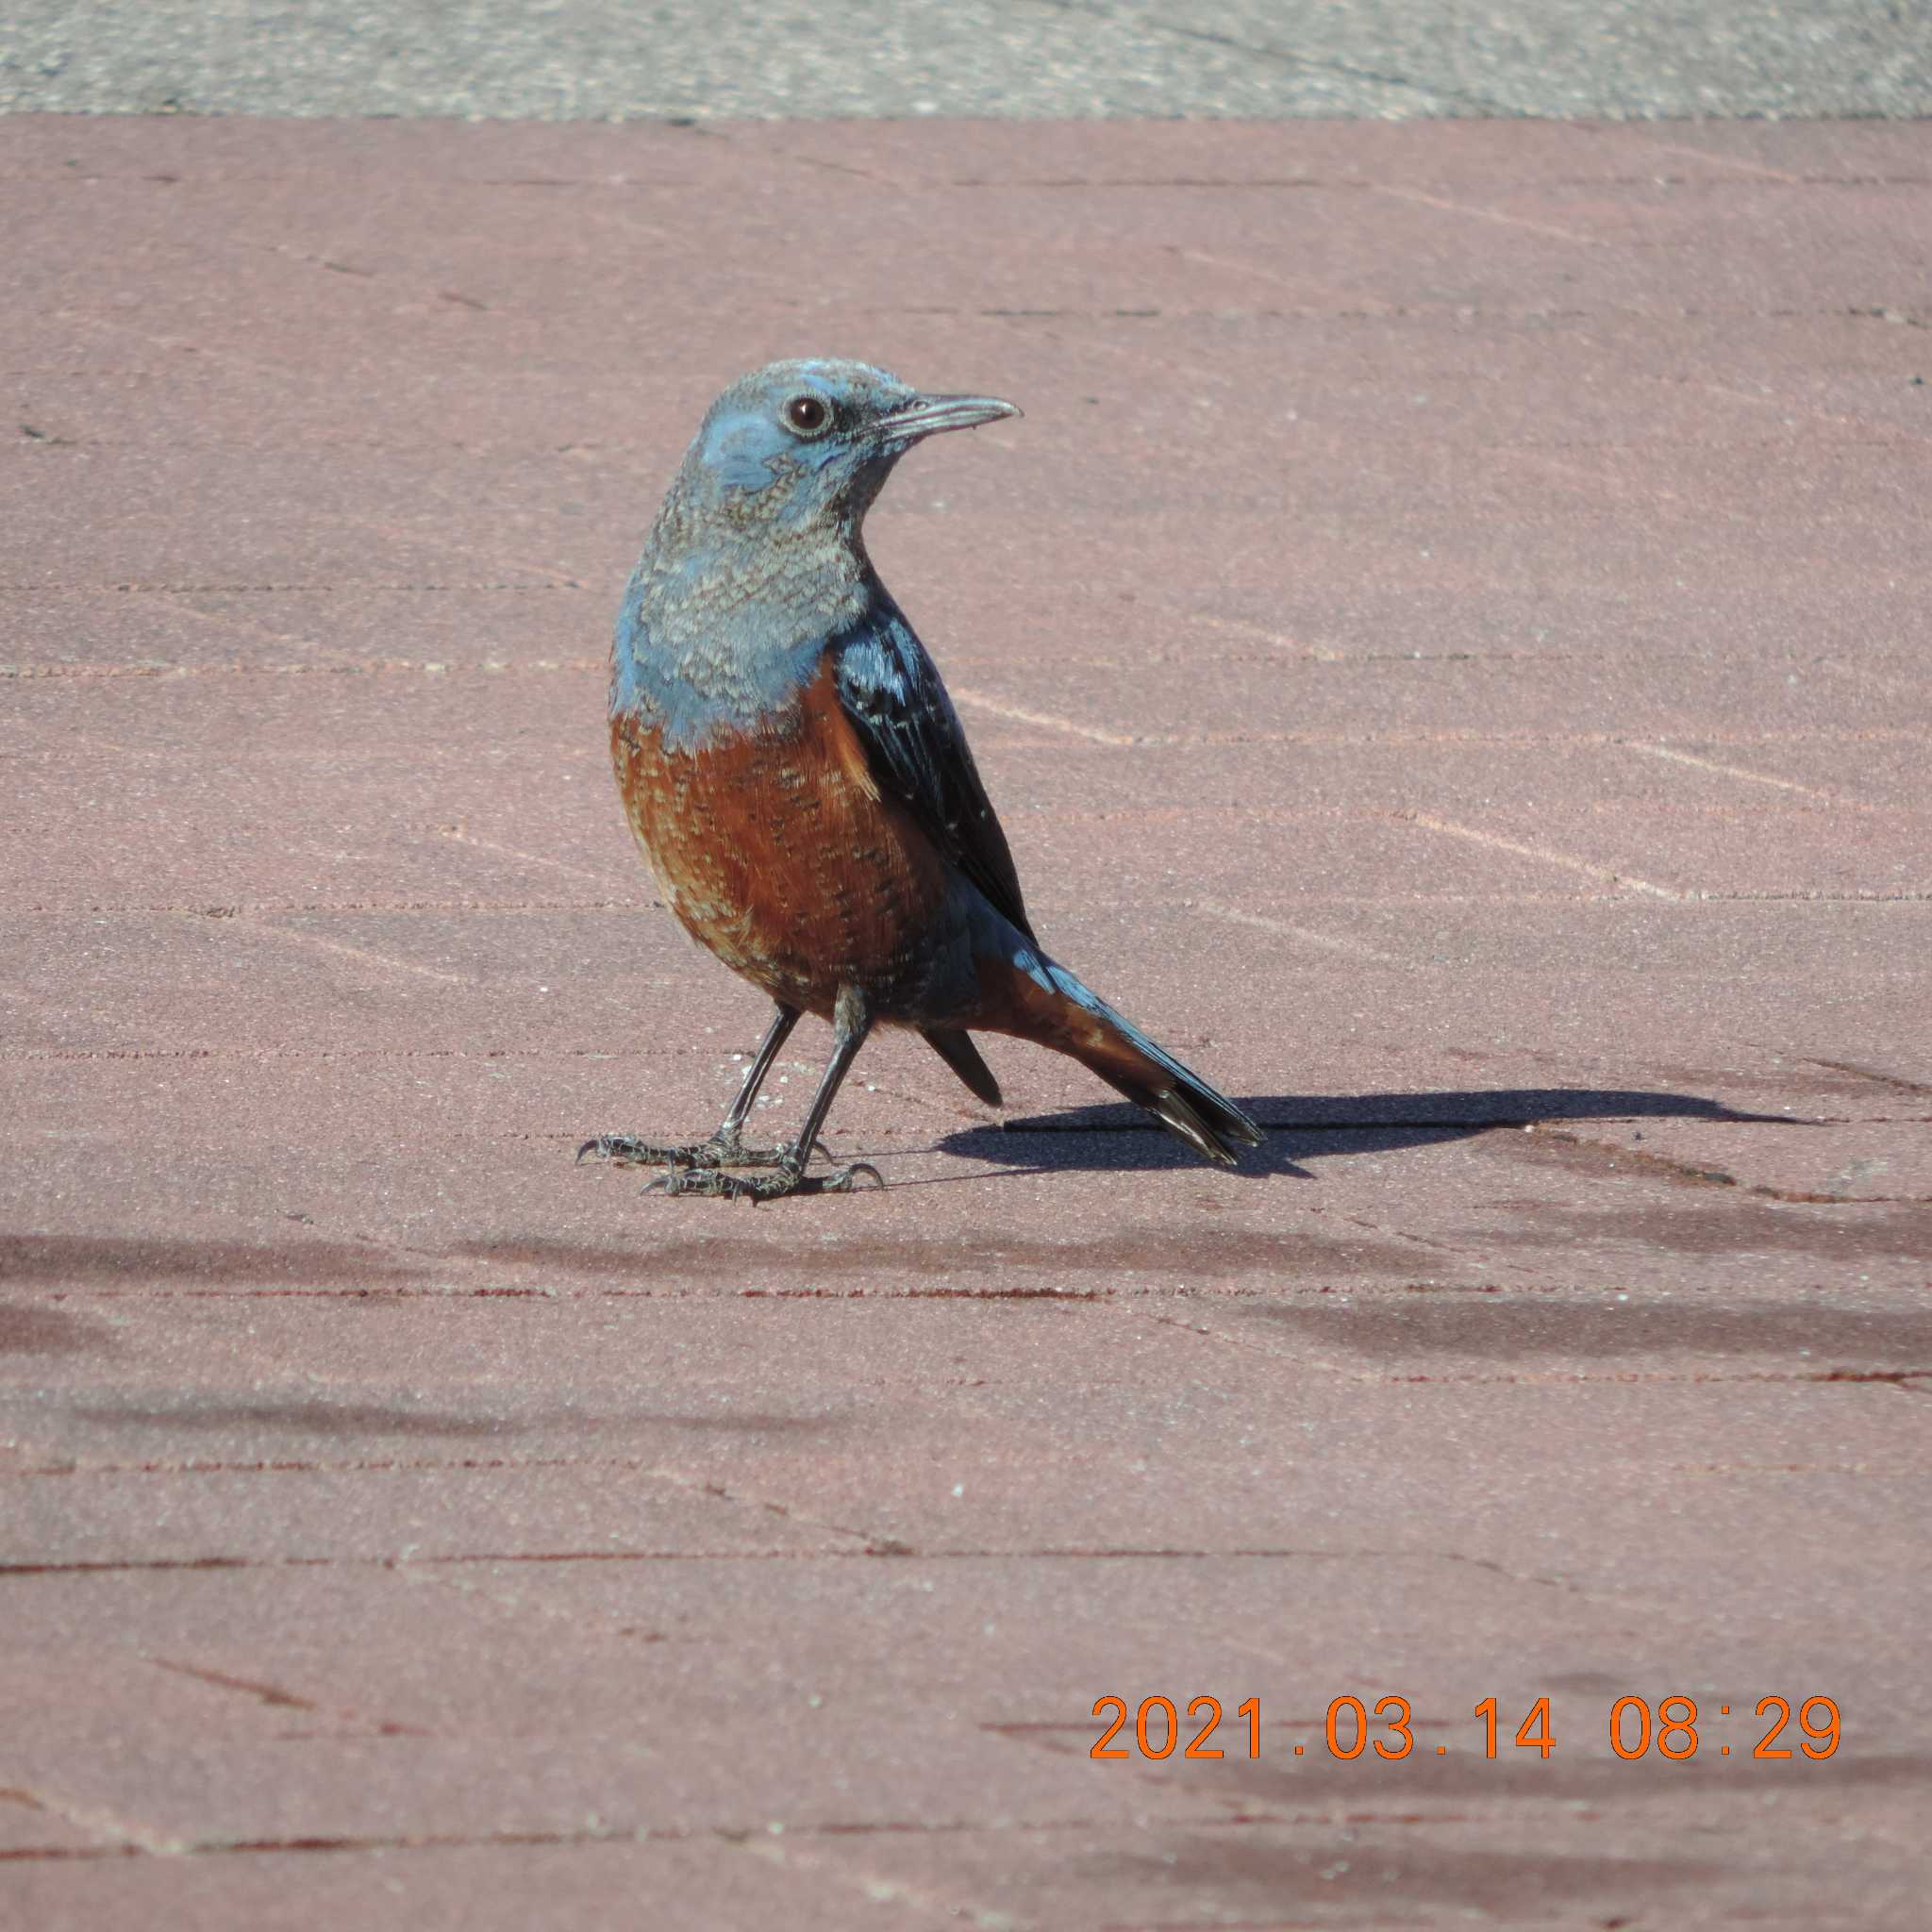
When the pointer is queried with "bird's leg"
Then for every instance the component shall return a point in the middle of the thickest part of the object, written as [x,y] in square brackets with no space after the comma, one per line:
[725,1149]
[851,1022]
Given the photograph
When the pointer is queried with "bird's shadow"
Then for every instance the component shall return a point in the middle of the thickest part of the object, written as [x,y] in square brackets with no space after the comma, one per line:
[1300,1128]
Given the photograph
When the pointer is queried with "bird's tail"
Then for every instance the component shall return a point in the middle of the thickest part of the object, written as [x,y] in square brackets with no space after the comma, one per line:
[959,1052]
[1049,1004]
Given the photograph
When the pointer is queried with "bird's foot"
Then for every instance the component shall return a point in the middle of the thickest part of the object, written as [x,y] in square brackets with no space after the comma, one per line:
[721,1150]
[787,1178]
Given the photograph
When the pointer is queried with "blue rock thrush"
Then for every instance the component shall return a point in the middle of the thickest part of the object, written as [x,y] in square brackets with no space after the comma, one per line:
[799,780]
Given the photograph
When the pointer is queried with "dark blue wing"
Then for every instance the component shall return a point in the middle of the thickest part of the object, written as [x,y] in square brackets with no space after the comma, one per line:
[916,749]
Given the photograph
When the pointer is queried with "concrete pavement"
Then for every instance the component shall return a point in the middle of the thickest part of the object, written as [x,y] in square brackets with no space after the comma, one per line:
[1446,642]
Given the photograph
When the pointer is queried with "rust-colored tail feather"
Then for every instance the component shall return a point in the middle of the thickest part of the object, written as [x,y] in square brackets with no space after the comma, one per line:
[1050,1006]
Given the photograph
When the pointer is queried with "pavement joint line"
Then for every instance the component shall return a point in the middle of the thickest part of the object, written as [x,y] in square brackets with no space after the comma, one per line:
[875,1887]
[1139,355]
[1625,880]
[879,1888]
[1872,1074]
[1048,720]
[153,755]
[1301,1357]
[457,836]
[1713,157]
[248,627]
[1593,480]
[892,184]
[1684,757]
[282,373]
[397,533]
[879,1550]
[354,1053]
[1343,306]
[1911,1381]
[1487,214]
[1341,739]
[1780,1377]
[1028,1124]
[327,667]
[737,1836]
[387,962]
[130,1836]
[360,1465]
[255,914]
[1147,1302]
[1281,639]
[1778,399]
[1350,301]
[354,909]
[1914,1381]
[260,1689]
[1324,942]
[1878,1472]
[126,587]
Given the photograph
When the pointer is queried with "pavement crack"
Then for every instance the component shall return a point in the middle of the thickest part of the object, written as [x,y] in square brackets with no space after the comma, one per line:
[1509,1575]
[265,1694]
[706,1486]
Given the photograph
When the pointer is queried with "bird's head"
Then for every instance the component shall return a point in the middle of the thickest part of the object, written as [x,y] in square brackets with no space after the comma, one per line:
[797,443]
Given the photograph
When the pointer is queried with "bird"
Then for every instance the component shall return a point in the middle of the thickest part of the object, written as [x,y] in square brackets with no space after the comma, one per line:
[799,780]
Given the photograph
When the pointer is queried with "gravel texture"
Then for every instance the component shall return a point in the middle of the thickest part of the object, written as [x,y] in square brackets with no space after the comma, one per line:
[1019,58]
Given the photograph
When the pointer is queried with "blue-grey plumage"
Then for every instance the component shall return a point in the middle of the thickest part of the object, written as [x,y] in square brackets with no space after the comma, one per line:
[801,784]
[755,560]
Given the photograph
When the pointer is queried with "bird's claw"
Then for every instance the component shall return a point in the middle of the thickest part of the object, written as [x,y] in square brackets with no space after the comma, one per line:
[844,1180]
[627,1150]
[788,1179]
[720,1150]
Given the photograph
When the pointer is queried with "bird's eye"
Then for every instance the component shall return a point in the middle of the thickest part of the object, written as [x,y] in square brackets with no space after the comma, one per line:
[808,415]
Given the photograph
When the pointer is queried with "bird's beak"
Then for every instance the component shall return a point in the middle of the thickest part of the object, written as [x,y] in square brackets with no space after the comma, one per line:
[928,415]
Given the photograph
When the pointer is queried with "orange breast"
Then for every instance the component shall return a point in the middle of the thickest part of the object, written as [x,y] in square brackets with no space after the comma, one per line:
[779,853]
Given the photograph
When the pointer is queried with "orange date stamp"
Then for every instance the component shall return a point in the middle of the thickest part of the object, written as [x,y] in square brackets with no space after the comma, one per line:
[1671,1727]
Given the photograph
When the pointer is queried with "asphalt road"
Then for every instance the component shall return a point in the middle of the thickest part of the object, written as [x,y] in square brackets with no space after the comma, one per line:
[1081,58]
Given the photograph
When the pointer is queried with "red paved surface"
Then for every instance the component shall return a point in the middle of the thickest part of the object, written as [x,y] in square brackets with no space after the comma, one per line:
[1447,643]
